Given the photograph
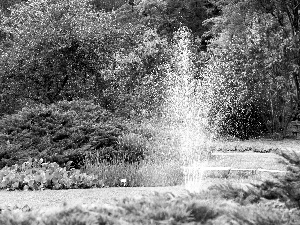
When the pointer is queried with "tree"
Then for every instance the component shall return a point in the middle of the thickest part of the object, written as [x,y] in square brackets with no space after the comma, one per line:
[57,50]
[138,73]
[108,5]
[192,13]
[167,16]
[5,5]
[250,60]
[287,14]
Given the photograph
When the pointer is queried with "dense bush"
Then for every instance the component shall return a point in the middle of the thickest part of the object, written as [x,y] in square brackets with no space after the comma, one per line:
[66,131]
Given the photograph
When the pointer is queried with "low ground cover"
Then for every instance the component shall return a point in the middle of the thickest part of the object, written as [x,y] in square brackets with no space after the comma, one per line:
[202,208]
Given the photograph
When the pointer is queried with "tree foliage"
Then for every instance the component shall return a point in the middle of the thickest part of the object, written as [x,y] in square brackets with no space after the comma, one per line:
[63,50]
[108,5]
[253,58]
[56,47]
[117,53]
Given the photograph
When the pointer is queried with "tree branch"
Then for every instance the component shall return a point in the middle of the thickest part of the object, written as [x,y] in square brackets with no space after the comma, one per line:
[291,19]
[297,7]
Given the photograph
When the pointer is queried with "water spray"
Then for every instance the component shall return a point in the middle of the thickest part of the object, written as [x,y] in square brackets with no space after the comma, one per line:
[186,111]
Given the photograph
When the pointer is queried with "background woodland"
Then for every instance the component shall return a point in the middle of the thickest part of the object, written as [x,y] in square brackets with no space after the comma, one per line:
[116,53]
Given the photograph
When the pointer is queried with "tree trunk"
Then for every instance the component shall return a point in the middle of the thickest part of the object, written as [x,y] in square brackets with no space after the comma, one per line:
[297,85]
[294,20]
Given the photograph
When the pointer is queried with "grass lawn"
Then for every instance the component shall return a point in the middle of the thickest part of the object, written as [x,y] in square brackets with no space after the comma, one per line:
[263,143]
[43,200]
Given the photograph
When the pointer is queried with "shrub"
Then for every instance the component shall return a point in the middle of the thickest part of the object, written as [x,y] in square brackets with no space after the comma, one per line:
[242,195]
[284,188]
[287,187]
[64,132]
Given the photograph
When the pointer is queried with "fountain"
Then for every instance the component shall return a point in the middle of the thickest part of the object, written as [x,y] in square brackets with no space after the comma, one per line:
[187,108]
[186,111]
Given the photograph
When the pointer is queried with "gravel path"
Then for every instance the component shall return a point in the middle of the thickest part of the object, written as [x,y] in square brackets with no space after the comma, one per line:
[39,200]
